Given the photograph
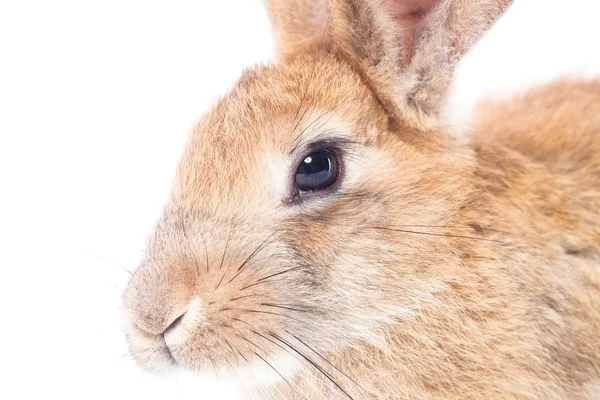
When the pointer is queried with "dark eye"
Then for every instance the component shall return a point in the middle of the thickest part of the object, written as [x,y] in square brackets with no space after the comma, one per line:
[317,171]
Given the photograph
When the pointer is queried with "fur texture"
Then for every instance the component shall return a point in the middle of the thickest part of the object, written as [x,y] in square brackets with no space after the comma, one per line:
[431,269]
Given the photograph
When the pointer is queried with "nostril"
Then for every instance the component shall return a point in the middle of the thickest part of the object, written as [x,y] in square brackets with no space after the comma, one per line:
[176,322]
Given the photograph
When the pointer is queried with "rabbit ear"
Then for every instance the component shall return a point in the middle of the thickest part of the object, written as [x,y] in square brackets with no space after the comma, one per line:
[408,48]
[405,49]
[439,40]
[297,23]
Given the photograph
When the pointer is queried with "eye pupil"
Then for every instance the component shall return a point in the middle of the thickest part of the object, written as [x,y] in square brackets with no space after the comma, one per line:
[317,171]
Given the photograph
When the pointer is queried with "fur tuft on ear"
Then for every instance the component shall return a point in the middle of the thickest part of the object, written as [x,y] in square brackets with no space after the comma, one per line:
[405,49]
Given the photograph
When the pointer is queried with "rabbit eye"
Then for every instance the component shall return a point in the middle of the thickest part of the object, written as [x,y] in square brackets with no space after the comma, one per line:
[317,171]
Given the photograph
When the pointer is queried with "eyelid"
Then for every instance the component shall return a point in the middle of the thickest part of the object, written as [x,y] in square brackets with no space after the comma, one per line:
[336,143]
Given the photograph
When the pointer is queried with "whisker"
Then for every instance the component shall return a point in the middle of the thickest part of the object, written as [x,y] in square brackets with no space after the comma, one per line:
[330,363]
[241,267]
[306,128]
[213,364]
[242,321]
[283,306]
[109,262]
[318,119]
[231,327]
[249,341]
[277,344]
[282,377]
[225,250]
[482,258]
[256,251]
[251,285]
[440,234]
[219,284]
[313,363]
[230,347]
[281,347]
[465,227]
[270,276]
[264,337]
[290,353]
[261,335]
[262,350]
[245,359]
[260,312]
[248,295]
[307,379]
[252,392]
[233,369]
[124,355]
[236,374]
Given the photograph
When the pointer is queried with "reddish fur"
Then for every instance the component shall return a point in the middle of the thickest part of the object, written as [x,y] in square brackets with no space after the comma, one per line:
[491,289]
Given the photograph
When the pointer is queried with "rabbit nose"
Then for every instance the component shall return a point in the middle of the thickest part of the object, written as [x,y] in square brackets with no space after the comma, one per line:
[182,326]
[152,327]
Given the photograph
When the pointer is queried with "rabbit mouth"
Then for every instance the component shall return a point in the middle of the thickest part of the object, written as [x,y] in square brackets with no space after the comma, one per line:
[160,355]
[149,351]
[155,359]
[170,355]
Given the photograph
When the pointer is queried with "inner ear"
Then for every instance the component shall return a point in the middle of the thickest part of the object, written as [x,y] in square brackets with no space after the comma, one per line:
[407,14]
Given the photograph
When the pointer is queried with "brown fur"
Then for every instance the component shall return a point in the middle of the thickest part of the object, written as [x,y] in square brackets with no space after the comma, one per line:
[434,269]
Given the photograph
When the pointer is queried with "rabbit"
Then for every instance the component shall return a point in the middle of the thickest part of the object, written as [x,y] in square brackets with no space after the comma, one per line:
[328,235]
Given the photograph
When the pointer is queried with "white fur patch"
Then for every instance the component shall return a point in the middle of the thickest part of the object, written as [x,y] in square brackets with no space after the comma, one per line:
[593,390]
[534,42]
[280,173]
[259,374]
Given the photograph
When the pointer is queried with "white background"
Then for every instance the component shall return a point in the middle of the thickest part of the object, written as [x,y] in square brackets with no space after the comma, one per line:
[96,100]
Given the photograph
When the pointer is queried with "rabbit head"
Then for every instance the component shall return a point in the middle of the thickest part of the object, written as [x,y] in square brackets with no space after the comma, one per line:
[291,251]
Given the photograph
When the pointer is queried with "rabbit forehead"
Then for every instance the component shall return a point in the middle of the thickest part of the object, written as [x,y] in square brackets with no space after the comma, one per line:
[239,151]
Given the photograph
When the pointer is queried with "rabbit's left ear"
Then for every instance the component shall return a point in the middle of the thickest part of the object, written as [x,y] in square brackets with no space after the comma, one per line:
[298,24]
[405,49]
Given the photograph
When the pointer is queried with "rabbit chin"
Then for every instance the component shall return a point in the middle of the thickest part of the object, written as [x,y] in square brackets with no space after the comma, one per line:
[274,369]
[152,354]
[257,374]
